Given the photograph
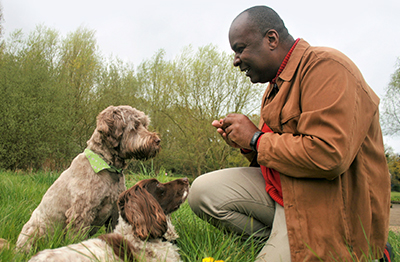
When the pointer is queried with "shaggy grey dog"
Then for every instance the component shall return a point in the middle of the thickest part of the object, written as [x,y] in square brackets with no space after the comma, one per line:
[85,195]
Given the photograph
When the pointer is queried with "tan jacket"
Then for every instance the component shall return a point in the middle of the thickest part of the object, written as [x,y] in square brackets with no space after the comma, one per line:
[327,145]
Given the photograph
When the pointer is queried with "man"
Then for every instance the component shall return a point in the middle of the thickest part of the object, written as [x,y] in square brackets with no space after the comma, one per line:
[318,183]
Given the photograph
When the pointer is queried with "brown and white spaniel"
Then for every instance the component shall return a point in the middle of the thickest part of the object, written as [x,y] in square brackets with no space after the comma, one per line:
[144,231]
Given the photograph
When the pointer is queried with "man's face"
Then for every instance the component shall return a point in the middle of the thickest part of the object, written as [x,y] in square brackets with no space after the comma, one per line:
[252,51]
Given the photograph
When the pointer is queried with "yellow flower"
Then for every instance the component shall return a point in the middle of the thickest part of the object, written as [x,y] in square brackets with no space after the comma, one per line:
[210,259]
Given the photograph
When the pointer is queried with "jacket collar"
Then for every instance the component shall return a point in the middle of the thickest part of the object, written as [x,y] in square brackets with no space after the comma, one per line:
[98,164]
[273,110]
[291,66]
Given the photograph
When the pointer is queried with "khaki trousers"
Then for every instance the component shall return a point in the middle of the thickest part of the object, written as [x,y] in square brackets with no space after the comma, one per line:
[235,200]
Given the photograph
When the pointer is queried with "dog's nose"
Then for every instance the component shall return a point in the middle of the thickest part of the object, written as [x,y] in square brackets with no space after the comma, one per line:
[157,141]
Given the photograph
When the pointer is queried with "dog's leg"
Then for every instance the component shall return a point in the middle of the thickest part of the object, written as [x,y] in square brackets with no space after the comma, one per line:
[84,218]
[28,236]
[171,235]
[79,220]
[112,221]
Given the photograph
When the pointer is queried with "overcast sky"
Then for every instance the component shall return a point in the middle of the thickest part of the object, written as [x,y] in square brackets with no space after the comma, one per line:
[366,31]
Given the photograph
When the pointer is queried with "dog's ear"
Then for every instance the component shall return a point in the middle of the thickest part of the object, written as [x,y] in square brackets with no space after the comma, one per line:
[121,247]
[141,210]
[111,124]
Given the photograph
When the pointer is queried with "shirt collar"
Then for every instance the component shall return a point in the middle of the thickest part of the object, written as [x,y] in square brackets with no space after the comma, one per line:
[285,61]
[98,164]
[294,61]
[288,67]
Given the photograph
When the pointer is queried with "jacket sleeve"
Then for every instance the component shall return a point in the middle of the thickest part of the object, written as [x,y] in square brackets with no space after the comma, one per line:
[252,157]
[336,109]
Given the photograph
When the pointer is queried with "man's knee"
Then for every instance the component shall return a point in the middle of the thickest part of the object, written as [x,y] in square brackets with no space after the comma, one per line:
[198,191]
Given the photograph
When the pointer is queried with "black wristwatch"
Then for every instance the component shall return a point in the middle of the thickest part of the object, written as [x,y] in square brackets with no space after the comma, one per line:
[254,140]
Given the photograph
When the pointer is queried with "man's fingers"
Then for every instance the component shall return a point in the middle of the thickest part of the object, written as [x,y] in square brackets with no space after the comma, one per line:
[220,131]
[216,123]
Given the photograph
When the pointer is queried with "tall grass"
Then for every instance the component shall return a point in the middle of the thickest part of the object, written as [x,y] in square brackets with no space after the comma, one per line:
[20,193]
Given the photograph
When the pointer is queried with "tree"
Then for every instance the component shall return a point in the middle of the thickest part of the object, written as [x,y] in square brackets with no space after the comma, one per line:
[47,97]
[79,66]
[1,20]
[29,92]
[1,29]
[183,96]
[393,161]
[116,84]
[53,88]
[209,87]
[391,113]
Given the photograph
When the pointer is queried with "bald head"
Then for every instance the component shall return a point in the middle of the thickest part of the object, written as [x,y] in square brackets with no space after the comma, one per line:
[263,18]
[260,41]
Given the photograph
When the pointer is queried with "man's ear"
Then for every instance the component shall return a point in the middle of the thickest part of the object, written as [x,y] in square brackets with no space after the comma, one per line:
[272,39]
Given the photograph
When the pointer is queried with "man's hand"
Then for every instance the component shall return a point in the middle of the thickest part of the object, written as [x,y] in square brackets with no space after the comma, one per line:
[236,129]
[221,131]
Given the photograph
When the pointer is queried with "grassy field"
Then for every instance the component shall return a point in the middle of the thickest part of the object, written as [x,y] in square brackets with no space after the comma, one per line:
[395,196]
[20,193]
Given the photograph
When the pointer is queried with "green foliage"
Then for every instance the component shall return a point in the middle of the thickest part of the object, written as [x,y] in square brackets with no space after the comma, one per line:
[390,117]
[1,22]
[28,91]
[207,241]
[183,98]
[395,196]
[394,240]
[45,85]
[20,193]
[393,161]
[78,67]
[53,88]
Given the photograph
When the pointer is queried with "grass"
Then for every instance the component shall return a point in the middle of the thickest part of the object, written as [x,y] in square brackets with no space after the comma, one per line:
[20,193]
[395,196]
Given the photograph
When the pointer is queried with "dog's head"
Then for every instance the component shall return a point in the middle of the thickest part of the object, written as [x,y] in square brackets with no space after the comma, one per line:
[125,130]
[146,204]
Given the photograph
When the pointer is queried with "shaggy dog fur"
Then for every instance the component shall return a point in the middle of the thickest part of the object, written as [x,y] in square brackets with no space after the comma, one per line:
[80,198]
[4,244]
[144,230]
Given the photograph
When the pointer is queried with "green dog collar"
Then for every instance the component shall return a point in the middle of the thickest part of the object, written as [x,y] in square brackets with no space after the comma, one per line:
[98,163]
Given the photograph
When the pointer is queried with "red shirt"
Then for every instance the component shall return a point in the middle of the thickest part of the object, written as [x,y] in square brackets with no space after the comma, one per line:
[272,177]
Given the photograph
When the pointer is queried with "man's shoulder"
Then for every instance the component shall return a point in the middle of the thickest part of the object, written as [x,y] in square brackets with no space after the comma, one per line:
[324,52]
[320,59]
[328,60]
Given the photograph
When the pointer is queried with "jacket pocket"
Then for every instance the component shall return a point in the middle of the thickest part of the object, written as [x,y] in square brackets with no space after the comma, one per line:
[289,120]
